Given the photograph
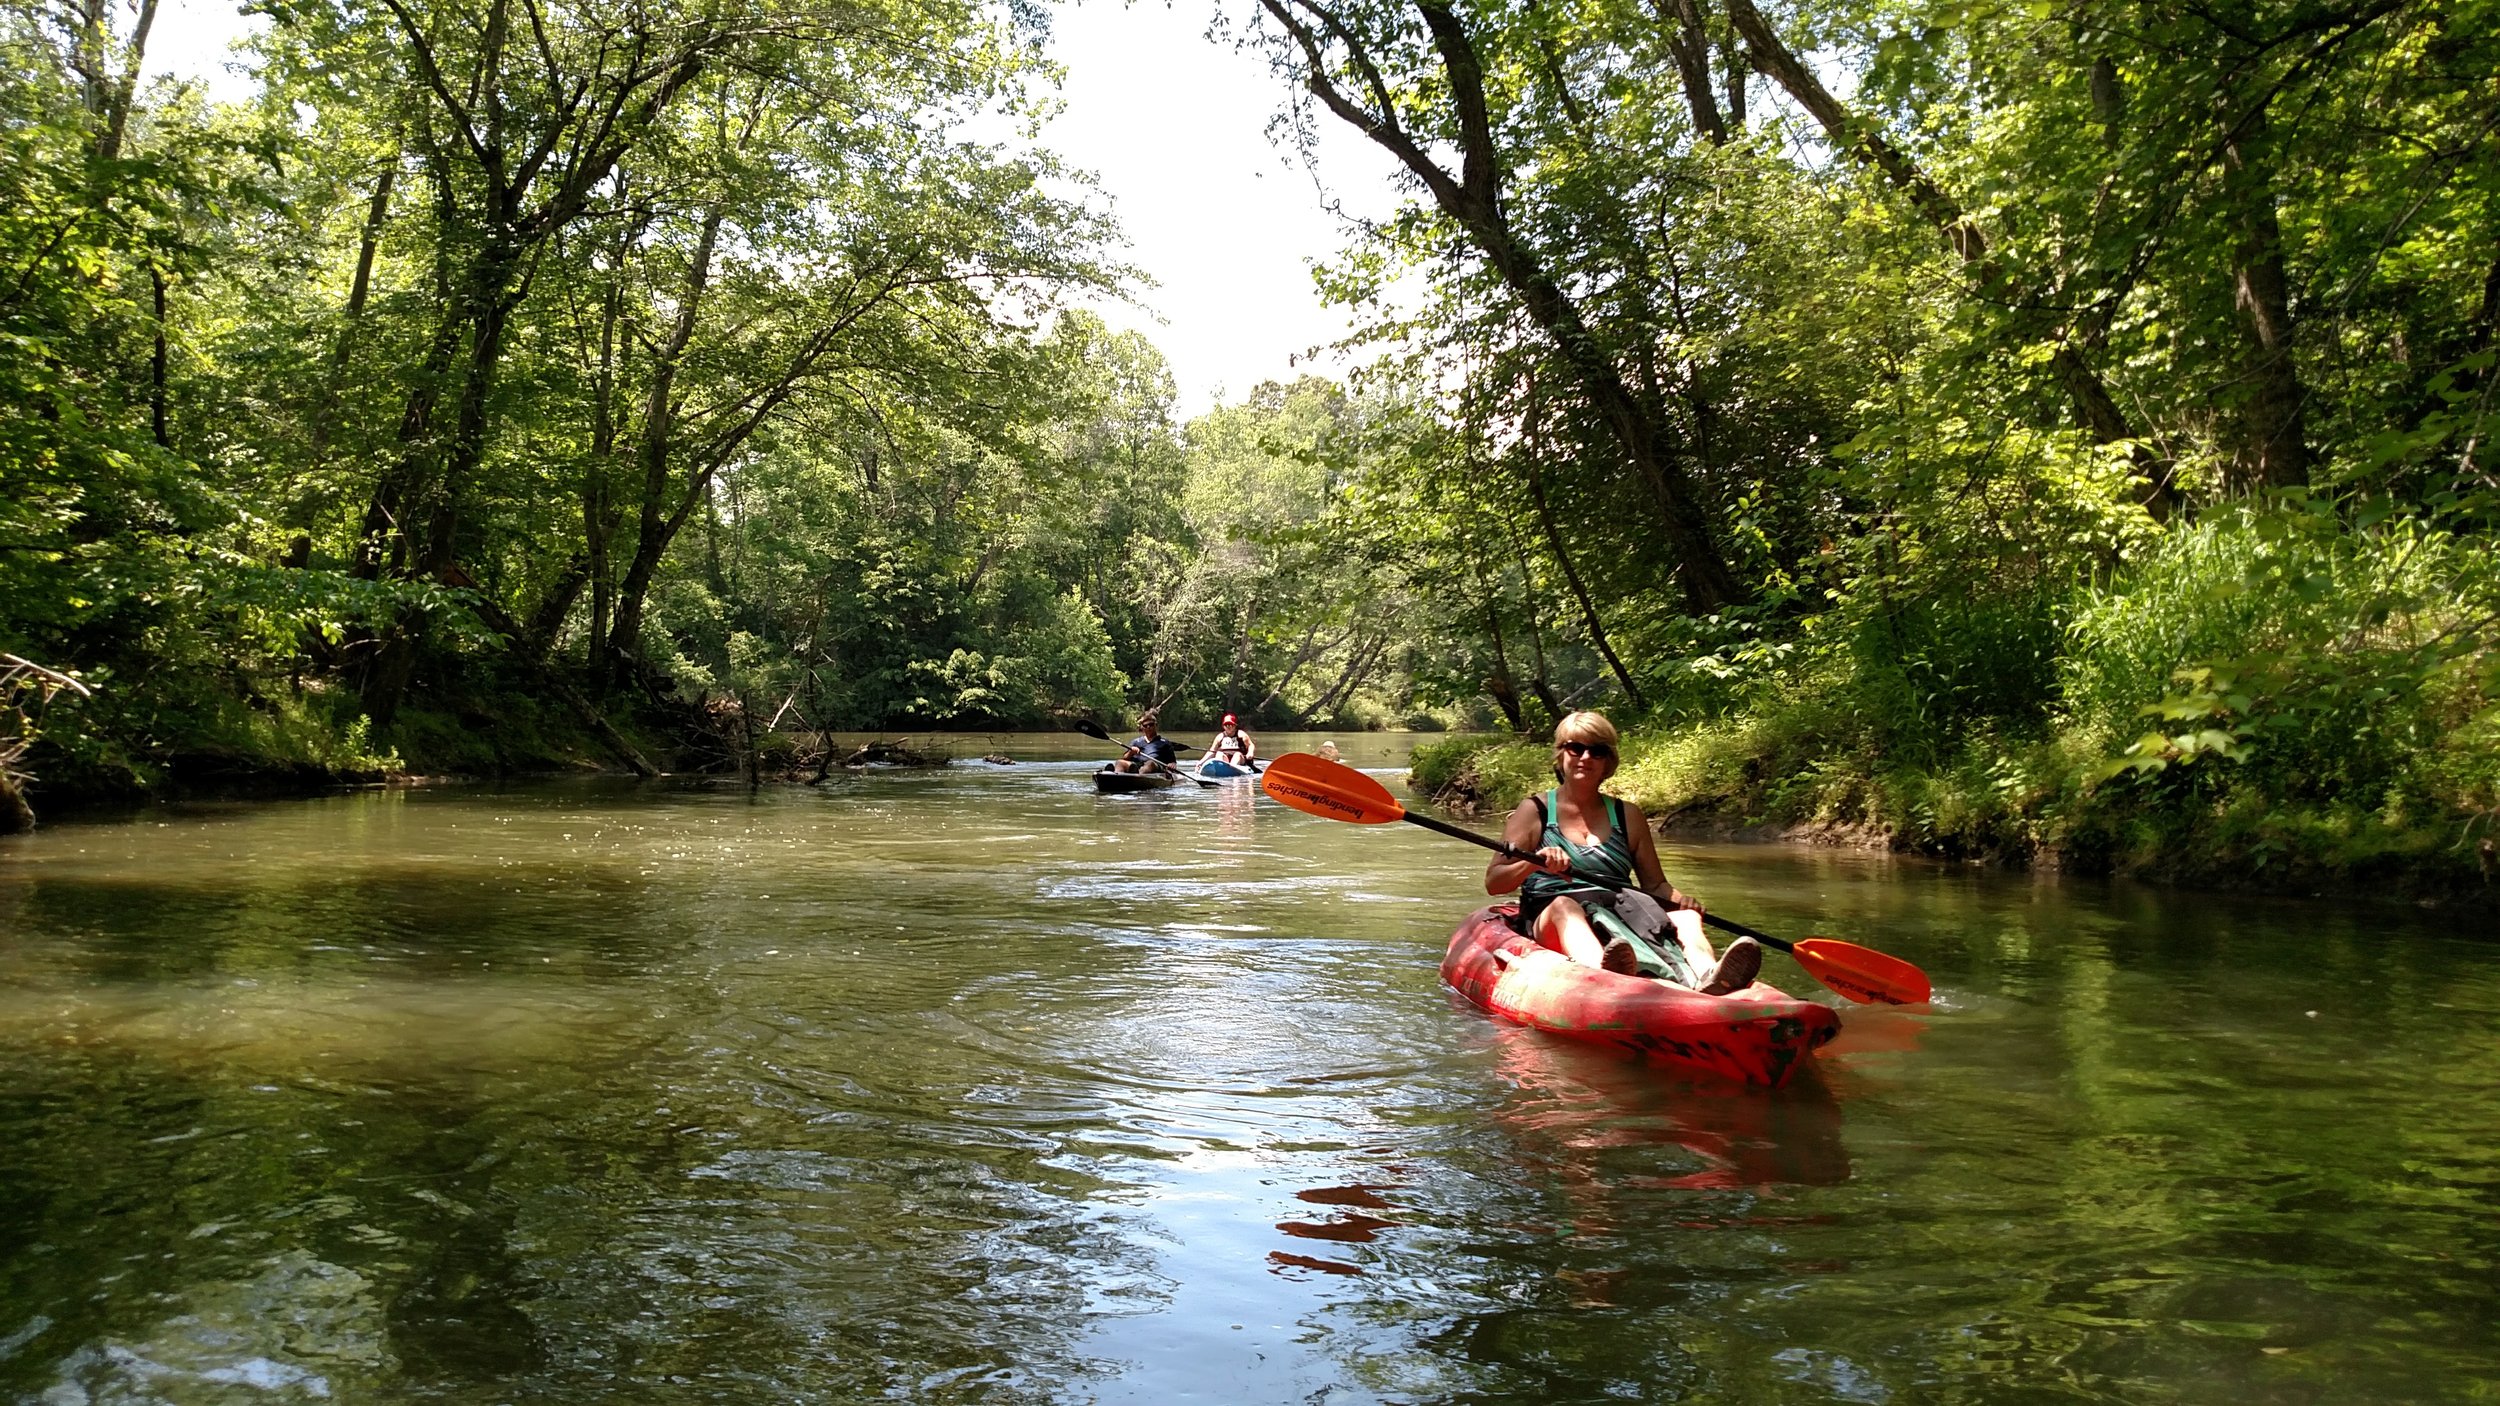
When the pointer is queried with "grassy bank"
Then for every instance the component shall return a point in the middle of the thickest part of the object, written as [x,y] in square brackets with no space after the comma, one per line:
[1760,776]
[2263,701]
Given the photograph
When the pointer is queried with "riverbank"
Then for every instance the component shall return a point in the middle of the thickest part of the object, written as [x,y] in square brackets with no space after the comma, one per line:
[2046,805]
[126,752]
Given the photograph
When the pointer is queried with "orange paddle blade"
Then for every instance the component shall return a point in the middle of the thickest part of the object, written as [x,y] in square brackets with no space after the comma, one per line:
[1862,974]
[1330,790]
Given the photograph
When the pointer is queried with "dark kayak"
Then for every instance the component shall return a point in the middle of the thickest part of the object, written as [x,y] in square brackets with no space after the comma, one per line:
[1761,1034]
[1121,783]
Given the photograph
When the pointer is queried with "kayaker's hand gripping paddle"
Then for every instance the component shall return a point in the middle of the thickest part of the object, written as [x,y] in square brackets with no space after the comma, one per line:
[1334,791]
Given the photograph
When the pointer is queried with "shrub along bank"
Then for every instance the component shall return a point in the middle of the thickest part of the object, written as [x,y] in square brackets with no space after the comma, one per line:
[2273,698]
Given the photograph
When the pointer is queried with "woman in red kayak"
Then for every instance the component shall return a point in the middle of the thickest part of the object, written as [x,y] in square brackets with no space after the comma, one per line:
[1575,827]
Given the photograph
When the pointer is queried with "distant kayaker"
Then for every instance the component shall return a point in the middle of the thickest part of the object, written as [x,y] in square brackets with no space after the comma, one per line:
[1148,747]
[1232,746]
[1574,826]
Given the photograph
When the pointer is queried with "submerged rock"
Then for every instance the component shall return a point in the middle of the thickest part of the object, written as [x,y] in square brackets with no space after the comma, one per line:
[302,1330]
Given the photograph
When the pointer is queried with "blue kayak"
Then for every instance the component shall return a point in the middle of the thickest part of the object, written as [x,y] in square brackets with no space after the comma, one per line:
[1221,770]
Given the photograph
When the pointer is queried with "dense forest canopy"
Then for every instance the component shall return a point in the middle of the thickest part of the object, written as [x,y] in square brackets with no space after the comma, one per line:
[1919,411]
[1997,422]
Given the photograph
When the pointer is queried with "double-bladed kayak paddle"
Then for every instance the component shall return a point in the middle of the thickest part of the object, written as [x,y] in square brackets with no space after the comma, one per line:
[1094,730]
[1334,791]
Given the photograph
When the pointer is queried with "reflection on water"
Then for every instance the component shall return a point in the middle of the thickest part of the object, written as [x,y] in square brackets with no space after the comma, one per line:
[973,1085]
[1584,1115]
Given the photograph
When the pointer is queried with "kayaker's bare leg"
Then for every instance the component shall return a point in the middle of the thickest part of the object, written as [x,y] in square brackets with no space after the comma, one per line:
[1697,953]
[1730,971]
[1565,925]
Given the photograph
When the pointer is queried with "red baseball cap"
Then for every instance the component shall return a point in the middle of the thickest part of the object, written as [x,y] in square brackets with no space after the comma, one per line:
[1232,721]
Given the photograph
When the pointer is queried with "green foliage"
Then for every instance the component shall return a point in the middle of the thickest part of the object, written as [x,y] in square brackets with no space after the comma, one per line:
[2349,734]
[1058,662]
[2076,441]
[2096,406]
[1272,618]
[1472,773]
[405,383]
[2318,659]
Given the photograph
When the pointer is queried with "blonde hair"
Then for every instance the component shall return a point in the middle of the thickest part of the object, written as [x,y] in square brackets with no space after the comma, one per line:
[1585,726]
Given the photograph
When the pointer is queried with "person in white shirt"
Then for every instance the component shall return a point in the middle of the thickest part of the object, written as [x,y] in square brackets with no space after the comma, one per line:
[1232,746]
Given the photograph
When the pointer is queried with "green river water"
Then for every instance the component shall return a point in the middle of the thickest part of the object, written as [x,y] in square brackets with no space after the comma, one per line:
[970,1085]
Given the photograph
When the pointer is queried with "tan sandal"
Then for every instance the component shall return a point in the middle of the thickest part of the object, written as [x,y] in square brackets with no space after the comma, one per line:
[1738,966]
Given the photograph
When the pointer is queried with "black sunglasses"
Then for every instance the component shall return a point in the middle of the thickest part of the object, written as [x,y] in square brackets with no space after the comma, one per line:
[1598,750]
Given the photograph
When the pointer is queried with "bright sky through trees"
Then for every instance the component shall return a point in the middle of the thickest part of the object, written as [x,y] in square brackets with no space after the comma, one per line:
[1175,125]
[1227,224]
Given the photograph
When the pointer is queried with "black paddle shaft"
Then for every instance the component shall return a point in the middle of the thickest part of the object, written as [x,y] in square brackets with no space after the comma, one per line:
[1094,730]
[1599,880]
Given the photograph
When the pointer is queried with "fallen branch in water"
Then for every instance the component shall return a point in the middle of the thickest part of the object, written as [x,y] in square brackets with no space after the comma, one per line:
[20,678]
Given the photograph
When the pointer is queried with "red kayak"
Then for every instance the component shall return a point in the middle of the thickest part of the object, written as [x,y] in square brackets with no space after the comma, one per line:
[1760,1034]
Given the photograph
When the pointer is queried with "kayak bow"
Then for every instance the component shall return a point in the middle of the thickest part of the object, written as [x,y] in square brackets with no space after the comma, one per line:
[1760,1035]
[1127,783]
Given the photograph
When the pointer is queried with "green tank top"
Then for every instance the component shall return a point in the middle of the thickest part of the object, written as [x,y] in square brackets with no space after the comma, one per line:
[1611,857]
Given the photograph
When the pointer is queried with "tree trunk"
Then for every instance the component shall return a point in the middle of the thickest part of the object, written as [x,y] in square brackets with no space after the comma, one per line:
[2274,452]
[1562,557]
[1309,649]
[1543,678]
[655,525]
[1503,687]
[495,299]
[2096,410]
[1358,663]
[547,621]
[597,516]
[1241,654]
[1688,39]
[1473,199]
[377,211]
[507,158]
[600,515]
[89,58]
[517,638]
[746,727]
[382,538]
[2109,98]
[1736,63]
[439,495]
[116,106]
[157,363]
[1708,582]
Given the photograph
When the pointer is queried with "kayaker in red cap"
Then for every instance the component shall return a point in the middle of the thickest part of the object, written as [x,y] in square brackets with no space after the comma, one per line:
[1232,746]
[1574,826]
